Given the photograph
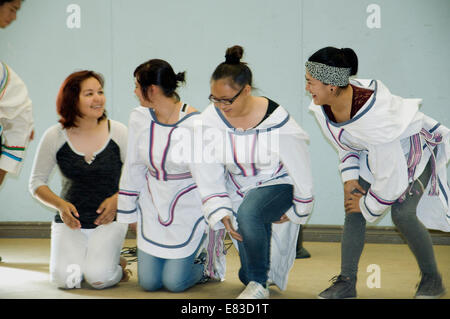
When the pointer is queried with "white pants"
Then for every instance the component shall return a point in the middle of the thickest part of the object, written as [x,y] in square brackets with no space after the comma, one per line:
[90,254]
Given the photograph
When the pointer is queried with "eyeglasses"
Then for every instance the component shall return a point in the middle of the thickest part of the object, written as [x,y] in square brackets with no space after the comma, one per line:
[225,101]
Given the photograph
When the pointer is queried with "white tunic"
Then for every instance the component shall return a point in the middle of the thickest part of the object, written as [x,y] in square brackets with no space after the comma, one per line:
[274,152]
[388,143]
[156,188]
[16,119]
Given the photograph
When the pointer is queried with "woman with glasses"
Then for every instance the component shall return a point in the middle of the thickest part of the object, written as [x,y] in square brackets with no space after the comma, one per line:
[391,156]
[259,174]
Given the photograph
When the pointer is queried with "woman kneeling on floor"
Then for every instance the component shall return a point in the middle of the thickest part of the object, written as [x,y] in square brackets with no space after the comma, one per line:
[89,150]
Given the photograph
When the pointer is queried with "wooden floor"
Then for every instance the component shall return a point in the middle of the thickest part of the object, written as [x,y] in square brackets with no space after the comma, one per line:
[24,274]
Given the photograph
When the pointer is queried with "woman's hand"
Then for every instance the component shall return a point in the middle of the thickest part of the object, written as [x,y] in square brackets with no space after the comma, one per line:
[282,220]
[68,212]
[107,210]
[230,229]
[352,193]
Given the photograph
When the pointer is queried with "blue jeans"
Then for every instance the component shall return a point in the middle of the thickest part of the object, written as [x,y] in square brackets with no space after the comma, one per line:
[176,275]
[260,208]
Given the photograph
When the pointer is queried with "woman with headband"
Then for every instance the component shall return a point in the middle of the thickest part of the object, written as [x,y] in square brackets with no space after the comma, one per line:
[391,156]
[259,174]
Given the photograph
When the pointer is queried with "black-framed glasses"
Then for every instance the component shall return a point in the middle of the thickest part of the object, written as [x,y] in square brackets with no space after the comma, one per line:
[225,101]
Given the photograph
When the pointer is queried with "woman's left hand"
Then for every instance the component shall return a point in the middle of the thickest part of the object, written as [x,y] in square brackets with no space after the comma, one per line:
[230,229]
[107,210]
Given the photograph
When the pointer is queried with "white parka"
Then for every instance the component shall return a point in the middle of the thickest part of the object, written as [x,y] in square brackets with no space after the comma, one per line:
[388,143]
[274,152]
[16,119]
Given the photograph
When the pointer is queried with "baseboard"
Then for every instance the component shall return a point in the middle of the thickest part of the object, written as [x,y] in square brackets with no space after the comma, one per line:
[31,230]
[315,233]
[374,234]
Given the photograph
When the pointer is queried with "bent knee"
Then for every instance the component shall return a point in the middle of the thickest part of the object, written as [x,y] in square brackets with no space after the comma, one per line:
[99,279]
[149,284]
[400,217]
[65,280]
[174,285]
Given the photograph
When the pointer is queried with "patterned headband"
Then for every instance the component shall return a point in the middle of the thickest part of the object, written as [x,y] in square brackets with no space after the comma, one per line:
[328,74]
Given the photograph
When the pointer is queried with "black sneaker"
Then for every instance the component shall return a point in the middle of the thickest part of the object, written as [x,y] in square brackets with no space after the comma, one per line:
[302,253]
[342,288]
[430,287]
[201,258]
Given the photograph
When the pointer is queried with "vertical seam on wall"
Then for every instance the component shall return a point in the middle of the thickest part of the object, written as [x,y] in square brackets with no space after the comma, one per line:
[302,95]
[111,102]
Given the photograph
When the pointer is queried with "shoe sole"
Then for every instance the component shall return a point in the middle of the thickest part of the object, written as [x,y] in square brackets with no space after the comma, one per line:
[318,297]
[431,297]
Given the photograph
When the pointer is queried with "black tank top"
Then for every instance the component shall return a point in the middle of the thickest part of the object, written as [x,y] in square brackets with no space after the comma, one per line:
[87,185]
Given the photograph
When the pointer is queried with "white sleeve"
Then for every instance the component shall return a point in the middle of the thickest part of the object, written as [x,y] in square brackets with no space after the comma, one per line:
[133,175]
[45,159]
[120,136]
[294,154]
[348,164]
[209,175]
[390,172]
[211,184]
[16,119]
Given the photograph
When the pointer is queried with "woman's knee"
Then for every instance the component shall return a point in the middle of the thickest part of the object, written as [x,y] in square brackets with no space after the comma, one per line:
[175,284]
[97,281]
[102,277]
[66,277]
[265,204]
[154,283]
[247,213]
[150,283]
[401,217]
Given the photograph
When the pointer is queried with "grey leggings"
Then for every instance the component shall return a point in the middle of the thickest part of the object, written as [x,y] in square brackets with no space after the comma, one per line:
[405,219]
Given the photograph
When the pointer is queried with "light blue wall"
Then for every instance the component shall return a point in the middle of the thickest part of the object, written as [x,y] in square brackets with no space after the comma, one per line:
[409,53]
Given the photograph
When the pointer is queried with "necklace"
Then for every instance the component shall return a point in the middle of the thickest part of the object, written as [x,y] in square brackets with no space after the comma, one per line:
[167,120]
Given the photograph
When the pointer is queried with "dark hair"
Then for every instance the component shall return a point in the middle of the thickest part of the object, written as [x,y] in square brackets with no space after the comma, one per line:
[69,96]
[344,58]
[2,2]
[158,72]
[233,68]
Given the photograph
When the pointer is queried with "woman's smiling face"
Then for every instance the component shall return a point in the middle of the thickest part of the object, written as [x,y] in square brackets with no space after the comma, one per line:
[320,92]
[92,99]
[8,12]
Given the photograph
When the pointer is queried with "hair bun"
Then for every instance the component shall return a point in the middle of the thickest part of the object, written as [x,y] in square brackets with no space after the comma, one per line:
[180,76]
[351,59]
[234,54]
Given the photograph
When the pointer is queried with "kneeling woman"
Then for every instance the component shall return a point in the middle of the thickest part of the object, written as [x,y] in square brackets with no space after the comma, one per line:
[157,190]
[89,149]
